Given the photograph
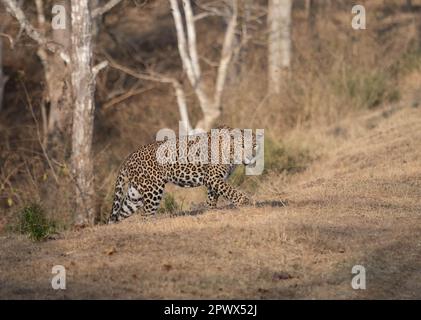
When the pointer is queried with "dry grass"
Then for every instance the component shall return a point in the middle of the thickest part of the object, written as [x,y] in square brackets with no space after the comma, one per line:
[360,205]
[333,76]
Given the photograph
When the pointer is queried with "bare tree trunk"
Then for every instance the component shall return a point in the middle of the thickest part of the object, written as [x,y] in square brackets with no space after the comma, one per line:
[238,63]
[307,7]
[279,42]
[82,82]
[83,85]
[226,56]
[310,10]
[57,77]
[3,77]
[311,14]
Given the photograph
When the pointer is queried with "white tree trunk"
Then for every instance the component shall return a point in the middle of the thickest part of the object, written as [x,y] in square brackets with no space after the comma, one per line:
[187,48]
[210,105]
[83,85]
[238,64]
[226,56]
[279,41]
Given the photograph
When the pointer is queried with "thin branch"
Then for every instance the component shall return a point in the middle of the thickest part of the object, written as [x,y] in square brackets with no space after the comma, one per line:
[28,99]
[97,68]
[13,8]
[152,76]
[106,7]
[209,9]
[131,72]
[203,15]
[124,96]
[9,37]
[209,62]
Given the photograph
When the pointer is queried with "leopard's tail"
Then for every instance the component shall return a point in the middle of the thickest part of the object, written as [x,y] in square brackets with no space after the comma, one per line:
[119,192]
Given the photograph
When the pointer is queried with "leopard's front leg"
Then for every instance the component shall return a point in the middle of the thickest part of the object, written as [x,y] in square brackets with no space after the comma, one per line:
[219,187]
[212,198]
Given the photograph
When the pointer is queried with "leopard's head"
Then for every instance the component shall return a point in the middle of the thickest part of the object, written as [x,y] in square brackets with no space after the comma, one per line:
[243,145]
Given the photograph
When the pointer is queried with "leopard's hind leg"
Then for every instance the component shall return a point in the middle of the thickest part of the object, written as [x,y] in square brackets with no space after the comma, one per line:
[133,200]
[119,195]
[152,197]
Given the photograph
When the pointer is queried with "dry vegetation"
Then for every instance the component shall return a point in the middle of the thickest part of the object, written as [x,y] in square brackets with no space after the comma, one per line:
[359,206]
[343,147]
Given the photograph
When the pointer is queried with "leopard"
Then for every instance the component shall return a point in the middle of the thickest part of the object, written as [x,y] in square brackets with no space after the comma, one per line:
[144,173]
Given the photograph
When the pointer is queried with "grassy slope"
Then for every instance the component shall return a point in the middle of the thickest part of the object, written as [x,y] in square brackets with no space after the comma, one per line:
[360,206]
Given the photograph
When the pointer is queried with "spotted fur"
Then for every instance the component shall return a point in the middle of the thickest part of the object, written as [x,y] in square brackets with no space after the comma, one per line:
[142,178]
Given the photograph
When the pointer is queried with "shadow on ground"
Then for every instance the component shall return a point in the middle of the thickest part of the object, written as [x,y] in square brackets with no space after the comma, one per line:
[202,208]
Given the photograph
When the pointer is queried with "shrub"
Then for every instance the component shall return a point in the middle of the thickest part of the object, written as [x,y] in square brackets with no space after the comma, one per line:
[280,157]
[169,204]
[33,222]
[284,157]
